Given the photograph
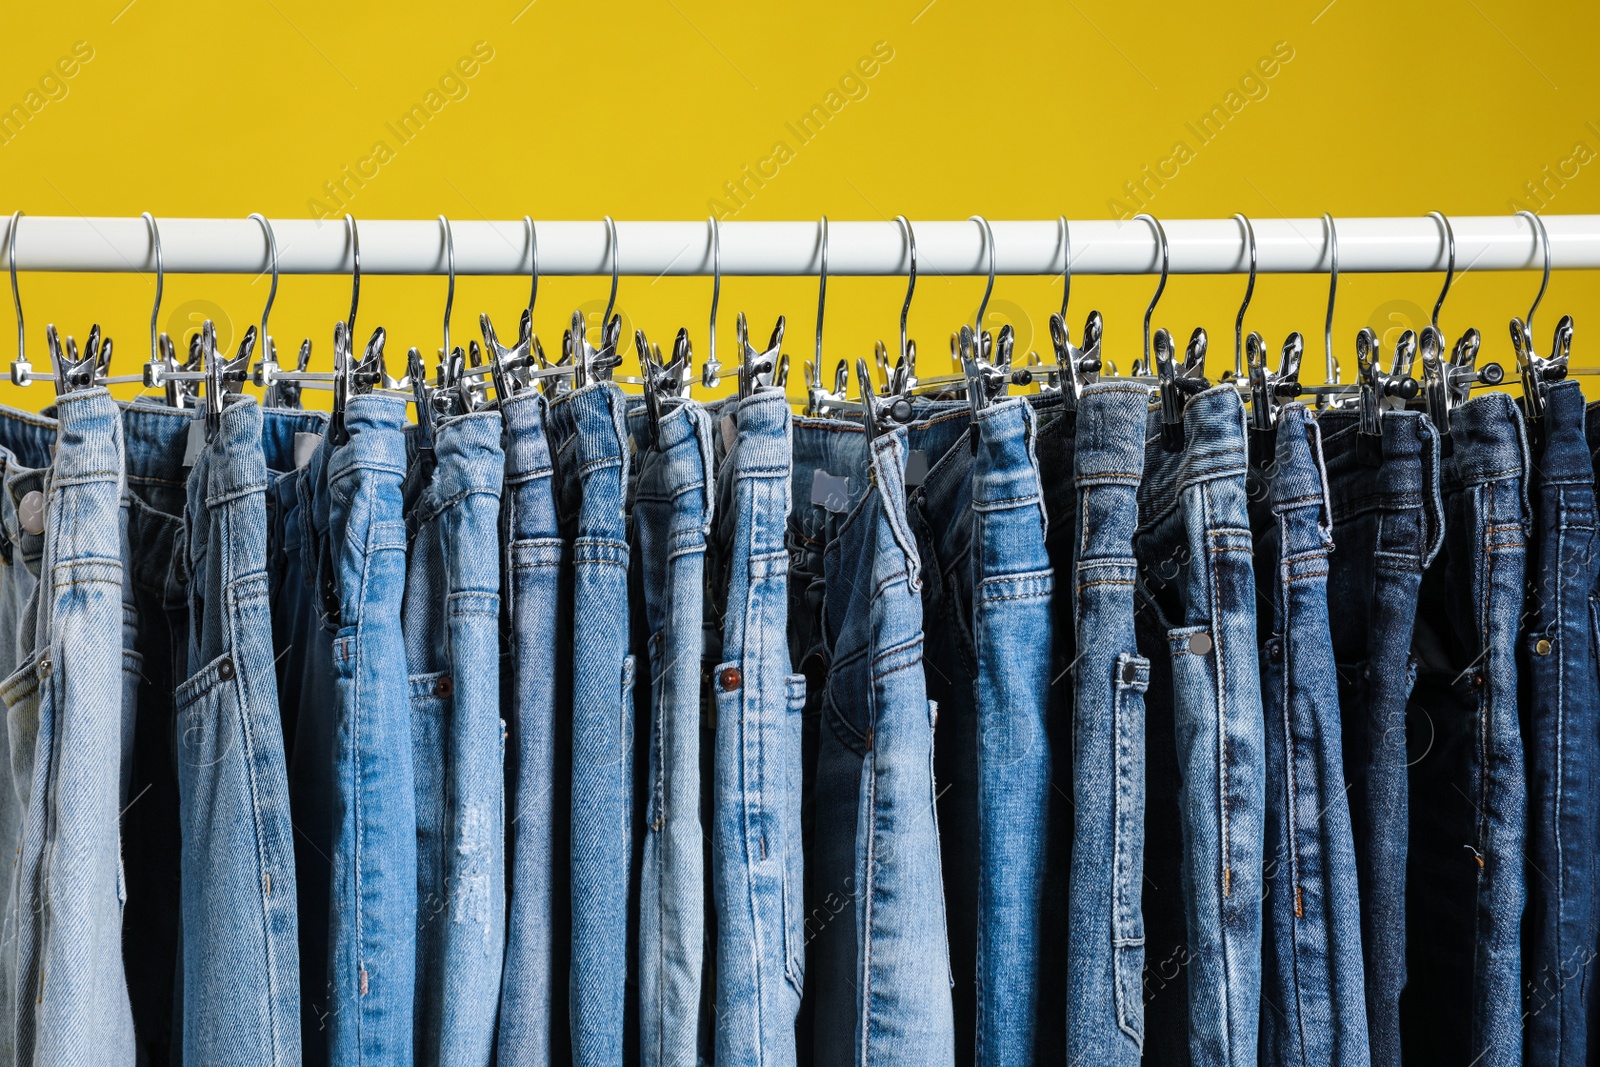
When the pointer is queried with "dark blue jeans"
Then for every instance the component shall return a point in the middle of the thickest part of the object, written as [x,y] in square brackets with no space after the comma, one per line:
[1314,1008]
[1464,874]
[1560,709]
[1387,527]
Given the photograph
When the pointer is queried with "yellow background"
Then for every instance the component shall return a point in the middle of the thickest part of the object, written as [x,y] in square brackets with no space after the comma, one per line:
[644,110]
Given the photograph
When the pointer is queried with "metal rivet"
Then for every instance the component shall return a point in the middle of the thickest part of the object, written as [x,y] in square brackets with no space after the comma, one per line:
[1130,673]
[729,679]
[444,686]
[44,667]
[225,669]
[1542,646]
[1199,644]
[30,512]
[1275,650]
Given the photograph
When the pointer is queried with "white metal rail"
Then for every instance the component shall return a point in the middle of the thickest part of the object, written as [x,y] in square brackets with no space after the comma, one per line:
[1198,246]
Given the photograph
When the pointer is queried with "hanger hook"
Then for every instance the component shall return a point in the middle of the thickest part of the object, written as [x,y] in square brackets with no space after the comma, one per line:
[822,285]
[1541,238]
[1450,266]
[1331,365]
[16,295]
[450,291]
[161,277]
[988,241]
[355,273]
[533,267]
[1161,243]
[272,293]
[1249,291]
[716,283]
[911,282]
[611,301]
[1066,264]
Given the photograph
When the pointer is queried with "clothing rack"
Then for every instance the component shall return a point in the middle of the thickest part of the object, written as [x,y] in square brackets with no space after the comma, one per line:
[1098,246]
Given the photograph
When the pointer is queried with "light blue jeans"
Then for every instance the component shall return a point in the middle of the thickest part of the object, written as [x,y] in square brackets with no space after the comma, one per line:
[452,636]
[241,960]
[589,437]
[671,516]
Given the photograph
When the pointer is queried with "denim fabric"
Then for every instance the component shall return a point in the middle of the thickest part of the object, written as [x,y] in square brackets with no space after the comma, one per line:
[756,850]
[241,989]
[1091,483]
[63,943]
[372,913]
[1387,528]
[451,621]
[1560,708]
[1313,1009]
[879,957]
[533,1017]
[1464,876]
[587,433]
[1195,619]
[671,517]
[980,524]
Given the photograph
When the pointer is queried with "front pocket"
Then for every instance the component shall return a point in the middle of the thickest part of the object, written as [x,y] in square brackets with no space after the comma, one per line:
[1131,679]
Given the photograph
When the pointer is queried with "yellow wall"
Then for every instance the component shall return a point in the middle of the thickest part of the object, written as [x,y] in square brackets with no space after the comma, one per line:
[644,110]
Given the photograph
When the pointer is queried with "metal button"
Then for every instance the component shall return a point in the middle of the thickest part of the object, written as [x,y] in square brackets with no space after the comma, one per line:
[30,512]
[1130,673]
[1199,644]
[225,669]
[1542,646]
[444,686]
[729,679]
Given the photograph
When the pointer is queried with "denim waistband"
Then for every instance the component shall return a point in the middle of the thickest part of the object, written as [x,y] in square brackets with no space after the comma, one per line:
[1299,477]
[1214,447]
[88,452]
[840,448]
[279,429]
[232,463]
[594,420]
[365,420]
[1109,434]
[468,460]
[683,442]
[1566,459]
[527,449]
[1407,479]
[1490,444]
[27,443]
[765,435]
[1001,471]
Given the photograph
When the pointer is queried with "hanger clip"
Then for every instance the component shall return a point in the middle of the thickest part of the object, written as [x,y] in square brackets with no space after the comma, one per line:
[759,370]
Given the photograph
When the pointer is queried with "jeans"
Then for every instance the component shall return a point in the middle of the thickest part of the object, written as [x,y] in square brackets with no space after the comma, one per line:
[241,988]
[1099,693]
[373,878]
[987,581]
[757,869]
[1560,705]
[1314,1010]
[1195,620]
[533,998]
[671,516]
[451,622]
[1464,873]
[1387,528]
[63,936]
[880,958]
[587,433]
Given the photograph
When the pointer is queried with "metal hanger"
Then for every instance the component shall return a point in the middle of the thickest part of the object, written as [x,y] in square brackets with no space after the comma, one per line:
[509,367]
[1448,380]
[987,378]
[1268,390]
[1076,367]
[70,370]
[711,370]
[591,364]
[1175,382]
[354,376]
[276,392]
[820,401]
[1539,373]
